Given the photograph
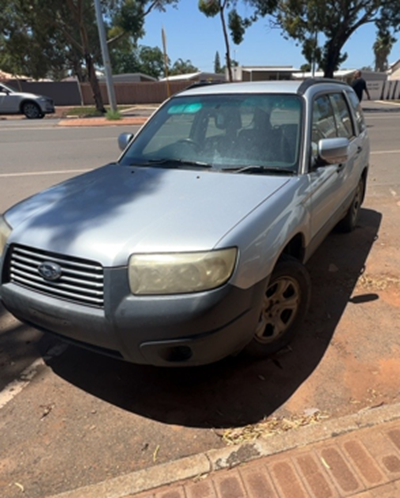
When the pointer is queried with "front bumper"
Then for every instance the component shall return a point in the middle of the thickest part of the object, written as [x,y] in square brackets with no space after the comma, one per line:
[179,330]
[47,106]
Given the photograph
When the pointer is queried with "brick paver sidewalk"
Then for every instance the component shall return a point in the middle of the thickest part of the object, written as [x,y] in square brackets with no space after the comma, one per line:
[363,464]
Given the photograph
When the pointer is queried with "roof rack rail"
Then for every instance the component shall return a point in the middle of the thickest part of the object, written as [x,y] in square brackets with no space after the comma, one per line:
[198,84]
[307,83]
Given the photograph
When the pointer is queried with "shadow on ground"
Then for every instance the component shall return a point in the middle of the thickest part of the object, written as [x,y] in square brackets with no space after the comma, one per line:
[236,391]
[20,345]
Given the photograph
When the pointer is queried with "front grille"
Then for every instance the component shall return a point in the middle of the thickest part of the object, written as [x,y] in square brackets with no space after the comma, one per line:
[81,281]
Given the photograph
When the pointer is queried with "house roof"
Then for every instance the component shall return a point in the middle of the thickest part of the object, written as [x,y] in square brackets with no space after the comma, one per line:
[272,69]
[9,76]
[394,66]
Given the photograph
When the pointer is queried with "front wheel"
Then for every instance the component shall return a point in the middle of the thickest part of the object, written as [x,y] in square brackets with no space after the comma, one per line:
[284,306]
[32,110]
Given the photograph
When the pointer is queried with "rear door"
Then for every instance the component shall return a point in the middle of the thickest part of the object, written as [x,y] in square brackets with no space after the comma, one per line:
[331,185]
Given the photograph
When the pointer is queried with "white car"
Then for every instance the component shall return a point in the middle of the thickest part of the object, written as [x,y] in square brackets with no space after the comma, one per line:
[33,106]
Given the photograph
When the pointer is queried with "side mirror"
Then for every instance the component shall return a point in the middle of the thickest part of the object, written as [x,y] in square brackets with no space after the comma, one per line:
[333,151]
[124,139]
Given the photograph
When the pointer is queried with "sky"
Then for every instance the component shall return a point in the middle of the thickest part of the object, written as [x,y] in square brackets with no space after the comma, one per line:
[190,35]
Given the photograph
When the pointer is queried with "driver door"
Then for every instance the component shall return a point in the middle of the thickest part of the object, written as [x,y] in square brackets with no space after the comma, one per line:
[8,102]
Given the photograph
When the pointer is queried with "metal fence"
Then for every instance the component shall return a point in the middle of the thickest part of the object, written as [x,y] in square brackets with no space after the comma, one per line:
[62,92]
[71,93]
[136,93]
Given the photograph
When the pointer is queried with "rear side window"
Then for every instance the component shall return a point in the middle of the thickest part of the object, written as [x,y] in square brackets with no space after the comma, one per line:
[355,104]
[323,121]
[344,124]
[331,118]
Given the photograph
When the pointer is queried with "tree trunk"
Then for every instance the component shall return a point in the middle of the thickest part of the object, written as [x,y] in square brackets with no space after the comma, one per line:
[331,58]
[94,83]
[227,55]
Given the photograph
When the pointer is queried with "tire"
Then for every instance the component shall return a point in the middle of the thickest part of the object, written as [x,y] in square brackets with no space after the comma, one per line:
[32,110]
[285,304]
[349,222]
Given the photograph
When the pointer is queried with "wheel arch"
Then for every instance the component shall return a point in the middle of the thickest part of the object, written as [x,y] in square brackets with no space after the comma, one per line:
[295,248]
[26,101]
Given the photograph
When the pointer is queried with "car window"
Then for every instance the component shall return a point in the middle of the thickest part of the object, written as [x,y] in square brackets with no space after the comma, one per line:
[323,121]
[344,124]
[355,104]
[5,88]
[224,131]
[176,127]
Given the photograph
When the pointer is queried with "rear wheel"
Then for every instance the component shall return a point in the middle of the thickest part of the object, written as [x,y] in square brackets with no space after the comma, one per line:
[32,110]
[349,222]
[285,303]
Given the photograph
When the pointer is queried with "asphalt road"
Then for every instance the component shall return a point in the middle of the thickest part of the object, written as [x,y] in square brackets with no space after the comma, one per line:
[71,418]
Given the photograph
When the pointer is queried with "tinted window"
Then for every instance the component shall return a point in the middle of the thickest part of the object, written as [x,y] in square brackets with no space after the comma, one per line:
[344,124]
[355,104]
[323,121]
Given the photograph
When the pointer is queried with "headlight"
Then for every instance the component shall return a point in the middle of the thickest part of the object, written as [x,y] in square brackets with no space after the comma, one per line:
[5,231]
[177,273]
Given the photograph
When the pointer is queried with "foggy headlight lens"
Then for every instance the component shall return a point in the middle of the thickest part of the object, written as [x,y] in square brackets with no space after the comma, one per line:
[5,231]
[177,273]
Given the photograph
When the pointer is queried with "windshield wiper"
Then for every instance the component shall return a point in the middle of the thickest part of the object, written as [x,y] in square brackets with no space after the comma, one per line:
[170,162]
[256,168]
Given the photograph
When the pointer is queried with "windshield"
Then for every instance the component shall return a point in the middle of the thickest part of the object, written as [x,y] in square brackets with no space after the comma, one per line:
[243,133]
[6,87]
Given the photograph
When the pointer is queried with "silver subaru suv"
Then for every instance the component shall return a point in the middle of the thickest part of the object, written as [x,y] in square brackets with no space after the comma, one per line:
[192,245]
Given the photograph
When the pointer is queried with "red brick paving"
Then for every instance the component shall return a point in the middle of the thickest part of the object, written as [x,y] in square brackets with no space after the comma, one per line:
[361,464]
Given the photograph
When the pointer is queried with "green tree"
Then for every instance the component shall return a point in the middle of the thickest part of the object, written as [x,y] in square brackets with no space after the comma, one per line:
[151,61]
[217,63]
[212,8]
[35,35]
[382,47]
[305,67]
[182,67]
[335,21]
[236,24]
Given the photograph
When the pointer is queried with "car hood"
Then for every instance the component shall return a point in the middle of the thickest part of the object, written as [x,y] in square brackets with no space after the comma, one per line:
[114,211]
[26,95]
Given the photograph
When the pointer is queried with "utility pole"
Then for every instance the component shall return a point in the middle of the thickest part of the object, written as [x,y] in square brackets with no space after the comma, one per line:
[164,43]
[106,57]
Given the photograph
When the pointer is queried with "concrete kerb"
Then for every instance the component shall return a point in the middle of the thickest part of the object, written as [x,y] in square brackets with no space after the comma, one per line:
[387,102]
[204,463]
[125,121]
[126,117]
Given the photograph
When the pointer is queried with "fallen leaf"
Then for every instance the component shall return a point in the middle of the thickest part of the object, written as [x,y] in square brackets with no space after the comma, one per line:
[324,463]
[156,453]
[19,486]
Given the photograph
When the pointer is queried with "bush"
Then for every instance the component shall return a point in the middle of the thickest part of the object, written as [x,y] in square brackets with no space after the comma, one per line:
[113,115]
